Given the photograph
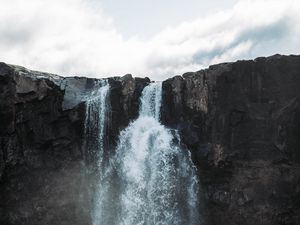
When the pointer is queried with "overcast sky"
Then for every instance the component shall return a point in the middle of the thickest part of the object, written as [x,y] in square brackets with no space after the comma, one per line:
[155,38]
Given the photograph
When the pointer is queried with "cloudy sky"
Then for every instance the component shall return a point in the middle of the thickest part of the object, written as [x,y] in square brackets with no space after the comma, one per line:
[155,38]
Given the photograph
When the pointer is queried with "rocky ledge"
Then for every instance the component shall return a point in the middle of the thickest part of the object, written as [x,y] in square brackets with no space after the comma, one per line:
[240,120]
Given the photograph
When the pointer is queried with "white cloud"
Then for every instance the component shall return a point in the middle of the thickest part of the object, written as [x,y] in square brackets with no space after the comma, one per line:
[75,37]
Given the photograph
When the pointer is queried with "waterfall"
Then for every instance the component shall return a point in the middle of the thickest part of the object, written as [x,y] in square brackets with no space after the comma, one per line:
[151,179]
[151,101]
[95,122]
[94,140]
[158,184]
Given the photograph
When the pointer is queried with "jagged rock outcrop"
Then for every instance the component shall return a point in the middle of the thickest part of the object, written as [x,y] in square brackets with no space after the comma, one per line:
[240,120]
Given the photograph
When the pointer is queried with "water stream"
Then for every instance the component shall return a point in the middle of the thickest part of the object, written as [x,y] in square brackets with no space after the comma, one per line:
[151,179]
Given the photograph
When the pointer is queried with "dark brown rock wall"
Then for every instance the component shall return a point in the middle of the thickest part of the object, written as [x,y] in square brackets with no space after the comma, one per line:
[45,174]
[41,158]
[241,121]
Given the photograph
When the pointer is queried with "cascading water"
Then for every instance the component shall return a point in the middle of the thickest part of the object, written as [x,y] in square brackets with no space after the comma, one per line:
[150,180]
[95,124]
[158,181]
[151,101]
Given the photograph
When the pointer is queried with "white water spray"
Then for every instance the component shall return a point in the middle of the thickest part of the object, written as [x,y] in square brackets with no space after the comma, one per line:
[151,101]
[95,124]
[157,177]
[95,121]
[151,180]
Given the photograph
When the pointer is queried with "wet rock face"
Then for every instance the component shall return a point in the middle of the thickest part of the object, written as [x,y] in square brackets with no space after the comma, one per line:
[240,120]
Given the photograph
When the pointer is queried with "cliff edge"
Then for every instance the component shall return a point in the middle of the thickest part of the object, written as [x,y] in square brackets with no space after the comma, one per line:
[240,120]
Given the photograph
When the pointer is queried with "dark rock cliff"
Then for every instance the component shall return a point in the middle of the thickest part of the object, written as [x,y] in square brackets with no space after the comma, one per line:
[44,171]
[240,120]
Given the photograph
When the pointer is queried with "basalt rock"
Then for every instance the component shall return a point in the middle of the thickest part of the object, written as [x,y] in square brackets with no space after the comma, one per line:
[240,120]
[44,178]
